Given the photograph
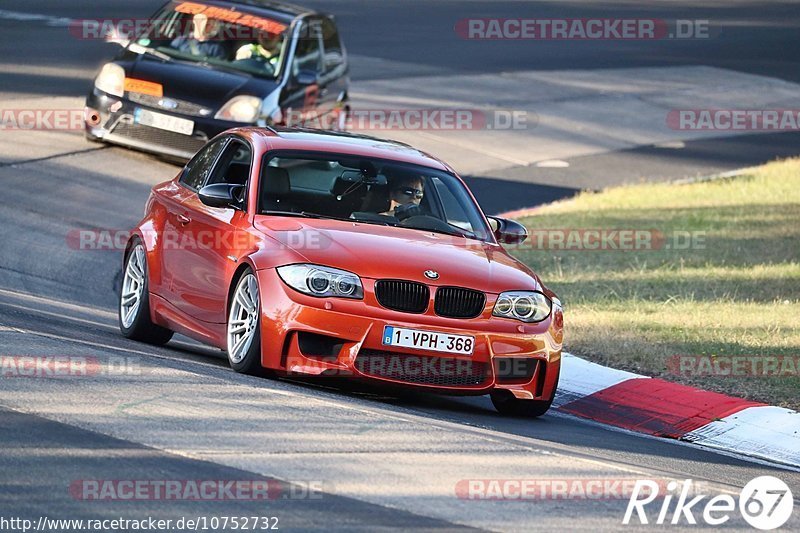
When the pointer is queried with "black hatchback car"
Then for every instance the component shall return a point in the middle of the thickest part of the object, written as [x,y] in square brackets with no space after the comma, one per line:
[203,67]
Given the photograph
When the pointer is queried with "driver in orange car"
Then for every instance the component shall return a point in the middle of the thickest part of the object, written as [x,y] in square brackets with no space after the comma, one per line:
[404,190]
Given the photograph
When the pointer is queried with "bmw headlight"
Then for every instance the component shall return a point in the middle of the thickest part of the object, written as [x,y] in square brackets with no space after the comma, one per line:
[111,79]
[322,281]
[527,306]
[240,109]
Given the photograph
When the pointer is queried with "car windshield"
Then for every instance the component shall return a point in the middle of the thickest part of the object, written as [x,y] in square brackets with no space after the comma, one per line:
[218,36]
[369,190]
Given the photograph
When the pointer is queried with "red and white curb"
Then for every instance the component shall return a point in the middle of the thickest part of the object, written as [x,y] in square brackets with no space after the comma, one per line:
[665,409]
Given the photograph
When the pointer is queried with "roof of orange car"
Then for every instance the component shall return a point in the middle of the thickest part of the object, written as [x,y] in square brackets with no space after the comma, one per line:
[342,143]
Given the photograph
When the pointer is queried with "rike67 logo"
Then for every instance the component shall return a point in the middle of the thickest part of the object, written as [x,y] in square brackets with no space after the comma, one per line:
[765,503]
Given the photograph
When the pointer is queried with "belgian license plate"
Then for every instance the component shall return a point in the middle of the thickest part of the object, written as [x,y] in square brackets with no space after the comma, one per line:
[428,340]
[163,122]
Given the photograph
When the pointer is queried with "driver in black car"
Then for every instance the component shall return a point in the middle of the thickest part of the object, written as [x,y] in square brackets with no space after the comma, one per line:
[203,40]
[405,194]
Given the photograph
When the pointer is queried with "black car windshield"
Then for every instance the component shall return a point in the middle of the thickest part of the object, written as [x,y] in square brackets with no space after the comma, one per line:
[218,36]
[374,191]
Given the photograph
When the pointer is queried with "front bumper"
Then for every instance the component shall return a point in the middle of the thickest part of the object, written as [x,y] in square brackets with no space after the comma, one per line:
[303,335]
[111,119]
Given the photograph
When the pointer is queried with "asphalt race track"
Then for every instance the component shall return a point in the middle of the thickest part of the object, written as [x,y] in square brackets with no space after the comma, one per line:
[382,461]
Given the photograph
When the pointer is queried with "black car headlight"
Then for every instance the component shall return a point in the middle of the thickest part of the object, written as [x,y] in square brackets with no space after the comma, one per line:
[527,306]
[111,79]
[322,281]
[240,109]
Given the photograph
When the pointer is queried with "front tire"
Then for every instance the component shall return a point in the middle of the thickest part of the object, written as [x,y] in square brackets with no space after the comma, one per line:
[134,301]
[244,326]
[508,405]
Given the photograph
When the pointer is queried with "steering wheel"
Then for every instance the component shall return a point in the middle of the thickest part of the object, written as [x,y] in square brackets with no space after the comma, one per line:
[402,212]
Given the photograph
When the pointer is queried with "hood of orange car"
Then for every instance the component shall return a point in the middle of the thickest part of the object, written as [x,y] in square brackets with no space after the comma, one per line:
[385,252]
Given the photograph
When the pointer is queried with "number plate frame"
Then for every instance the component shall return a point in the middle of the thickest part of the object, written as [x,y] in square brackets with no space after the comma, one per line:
[419,339]
[145,117]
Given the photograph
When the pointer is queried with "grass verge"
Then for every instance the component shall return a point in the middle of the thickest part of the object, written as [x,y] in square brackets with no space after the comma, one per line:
[710,295]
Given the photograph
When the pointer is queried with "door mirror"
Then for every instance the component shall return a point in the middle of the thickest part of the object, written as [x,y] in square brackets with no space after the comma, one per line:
[306,77]
[222,195]
[508,231]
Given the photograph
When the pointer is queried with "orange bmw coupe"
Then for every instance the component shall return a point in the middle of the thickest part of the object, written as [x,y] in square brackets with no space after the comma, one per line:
[303,252]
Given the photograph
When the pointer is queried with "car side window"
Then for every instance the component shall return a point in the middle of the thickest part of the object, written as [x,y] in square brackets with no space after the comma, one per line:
[333,55]
[199,168]
[308,54]
[453,211]
[233,166]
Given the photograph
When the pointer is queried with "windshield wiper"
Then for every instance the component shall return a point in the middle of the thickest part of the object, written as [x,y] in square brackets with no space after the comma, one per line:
[137,48]
[349,219]
[309,214]
[462,232]
[329,217]
[443,232]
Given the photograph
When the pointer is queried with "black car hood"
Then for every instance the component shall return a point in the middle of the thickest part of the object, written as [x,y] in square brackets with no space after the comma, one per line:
[206,85]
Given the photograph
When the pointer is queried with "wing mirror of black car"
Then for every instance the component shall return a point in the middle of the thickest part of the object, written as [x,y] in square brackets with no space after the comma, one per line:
[305,77]
[222,195]
[508,231]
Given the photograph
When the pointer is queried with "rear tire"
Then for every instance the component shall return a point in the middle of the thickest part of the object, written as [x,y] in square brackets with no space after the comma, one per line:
[134,301]
[243,330]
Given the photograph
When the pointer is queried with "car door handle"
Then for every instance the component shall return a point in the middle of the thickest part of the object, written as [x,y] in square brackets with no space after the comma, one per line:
[183,219]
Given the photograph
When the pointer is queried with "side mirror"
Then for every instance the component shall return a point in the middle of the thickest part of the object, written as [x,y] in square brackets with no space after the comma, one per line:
[508,231]
[305,77]
[221,195]
[115,35]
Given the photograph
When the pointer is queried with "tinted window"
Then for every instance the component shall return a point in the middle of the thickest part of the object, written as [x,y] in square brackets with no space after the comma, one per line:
[333,56]
[199,168]
[372,191]
[453,208]
[217,35]
[308,55]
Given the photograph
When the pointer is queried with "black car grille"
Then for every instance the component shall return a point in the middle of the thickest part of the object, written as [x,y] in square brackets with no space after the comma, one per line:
[181,106]
[406,296]
[455,302]
[159,137]
[422,370]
